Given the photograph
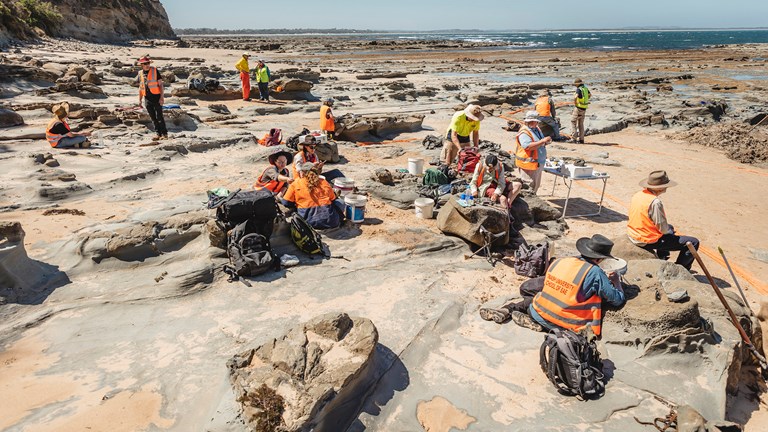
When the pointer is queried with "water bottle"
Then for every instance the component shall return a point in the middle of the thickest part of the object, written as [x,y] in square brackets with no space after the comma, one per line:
[470,198]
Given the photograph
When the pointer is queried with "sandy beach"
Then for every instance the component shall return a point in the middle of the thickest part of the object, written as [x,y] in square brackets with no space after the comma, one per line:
[138,337]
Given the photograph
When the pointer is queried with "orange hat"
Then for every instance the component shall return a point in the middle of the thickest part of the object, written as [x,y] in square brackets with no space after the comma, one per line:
[144,60]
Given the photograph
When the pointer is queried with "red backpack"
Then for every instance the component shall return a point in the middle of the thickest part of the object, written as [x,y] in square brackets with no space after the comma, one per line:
[273,138]
[468,159]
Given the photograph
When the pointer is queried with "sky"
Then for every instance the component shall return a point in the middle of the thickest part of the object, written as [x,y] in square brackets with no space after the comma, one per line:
[420,15]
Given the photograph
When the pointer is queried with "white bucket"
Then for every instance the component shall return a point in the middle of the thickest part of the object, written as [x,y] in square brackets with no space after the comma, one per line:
[344,185]
[416,166]
[424,207]
[355,207]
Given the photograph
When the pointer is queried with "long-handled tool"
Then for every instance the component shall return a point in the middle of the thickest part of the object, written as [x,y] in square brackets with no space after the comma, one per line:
[736,281]
[734,319]
[759,123]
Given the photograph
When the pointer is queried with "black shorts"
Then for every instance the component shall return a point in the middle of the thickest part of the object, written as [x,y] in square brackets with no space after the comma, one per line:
[462,139]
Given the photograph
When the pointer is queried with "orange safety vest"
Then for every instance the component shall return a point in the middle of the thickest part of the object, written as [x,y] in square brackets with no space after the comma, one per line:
[326,124]
[526,159]
[273,186]
[311,158]
[640,226]
[557,302]
[53,139]
[482,174]
[542,106]
[152,82]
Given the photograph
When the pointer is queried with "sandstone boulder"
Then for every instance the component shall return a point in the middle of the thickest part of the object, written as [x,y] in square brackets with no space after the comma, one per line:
[400,195]
[465,222]
[383,176]
[22,279]
[309,379]
[350,127]
[91,77]
[328,152]
[10,118]
[530,209]
[624,248]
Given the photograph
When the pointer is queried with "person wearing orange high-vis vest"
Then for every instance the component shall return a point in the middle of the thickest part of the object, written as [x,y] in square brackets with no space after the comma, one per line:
[572,294]
[489,181]
[547,114]
[531,150]
[648,227]
[327,120]
[58,133]
[151,91]
[276,177]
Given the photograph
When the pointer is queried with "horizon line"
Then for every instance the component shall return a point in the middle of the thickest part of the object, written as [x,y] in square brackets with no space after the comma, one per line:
[648,28]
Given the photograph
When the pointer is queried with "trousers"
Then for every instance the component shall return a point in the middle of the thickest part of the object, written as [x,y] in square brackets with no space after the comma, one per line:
[673,242]
[155,111]
[245,79]
[577,123]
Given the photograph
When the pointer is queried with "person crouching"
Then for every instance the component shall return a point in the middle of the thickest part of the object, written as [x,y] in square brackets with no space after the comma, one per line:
[314,199]
[59,134]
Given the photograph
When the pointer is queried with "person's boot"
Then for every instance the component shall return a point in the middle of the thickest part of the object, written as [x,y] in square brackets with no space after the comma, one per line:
[525,320]
[496,315]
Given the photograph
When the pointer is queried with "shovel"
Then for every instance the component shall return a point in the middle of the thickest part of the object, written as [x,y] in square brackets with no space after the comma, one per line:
[734,319]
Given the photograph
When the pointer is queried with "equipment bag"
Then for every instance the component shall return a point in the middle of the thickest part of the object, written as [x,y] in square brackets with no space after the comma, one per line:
[250,254]
[532,261]
[272,138]
[258,206]
[304,236]
[468,159]
[434,176]
[572,364]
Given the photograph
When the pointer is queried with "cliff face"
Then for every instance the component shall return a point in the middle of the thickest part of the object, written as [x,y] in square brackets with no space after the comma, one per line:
[88,20]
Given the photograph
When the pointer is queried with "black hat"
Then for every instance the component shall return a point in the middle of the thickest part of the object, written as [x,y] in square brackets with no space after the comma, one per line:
[491,160]
[273,157]
[596,247]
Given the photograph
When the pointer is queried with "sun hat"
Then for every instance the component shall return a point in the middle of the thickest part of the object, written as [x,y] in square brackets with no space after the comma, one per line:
[273,157]
[61,109]
[144,60]
[657,180]
[578,81]
[246,54]
[596,247]
[474,112]
[329,101]
[531,116]
[306,167]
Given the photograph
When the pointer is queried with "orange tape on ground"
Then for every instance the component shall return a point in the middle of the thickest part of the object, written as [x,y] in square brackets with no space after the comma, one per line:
[367,143]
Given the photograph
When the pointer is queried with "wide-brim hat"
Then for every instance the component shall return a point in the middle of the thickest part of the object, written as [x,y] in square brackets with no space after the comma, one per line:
[144,60]
[597,247]
[273,157]
[474,112]
[246,54]
[531,116]
[578,81]
[61,109]
[657,180]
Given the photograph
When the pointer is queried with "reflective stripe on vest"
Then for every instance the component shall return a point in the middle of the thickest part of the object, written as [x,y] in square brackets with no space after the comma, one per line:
[481,175]
[542,106]
[557,302]
[326,124]
[53,139]
[525,159]
[583,101]
[152,82]
[273,186]
[640,226]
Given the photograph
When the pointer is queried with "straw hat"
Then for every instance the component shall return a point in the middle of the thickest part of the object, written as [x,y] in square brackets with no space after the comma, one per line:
[597,247]
[578,81]
[474,112]
[531,116]
[273,157]
[144,60]
[657,180]
[61,110]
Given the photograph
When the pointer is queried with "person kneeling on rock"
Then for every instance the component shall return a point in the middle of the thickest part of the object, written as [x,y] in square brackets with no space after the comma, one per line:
[314,199]
[59,134]
[571,295]
[489,181]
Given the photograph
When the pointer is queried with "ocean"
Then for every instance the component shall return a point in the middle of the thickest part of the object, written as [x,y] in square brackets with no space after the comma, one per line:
[596,39]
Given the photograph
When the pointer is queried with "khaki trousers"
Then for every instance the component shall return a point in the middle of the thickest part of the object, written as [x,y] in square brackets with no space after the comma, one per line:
[532,178]
[577,123]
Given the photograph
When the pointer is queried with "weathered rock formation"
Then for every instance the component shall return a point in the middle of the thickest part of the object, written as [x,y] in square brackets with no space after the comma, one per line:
[350,127]
[465,222]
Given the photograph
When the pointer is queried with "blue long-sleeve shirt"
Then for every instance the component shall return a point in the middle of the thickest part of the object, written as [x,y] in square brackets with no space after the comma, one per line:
[538,135]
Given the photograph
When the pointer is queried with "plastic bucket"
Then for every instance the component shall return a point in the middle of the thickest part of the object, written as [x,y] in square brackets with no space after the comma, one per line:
[416,166]
[355,207]
[424,207]
[345,186]
[617,265]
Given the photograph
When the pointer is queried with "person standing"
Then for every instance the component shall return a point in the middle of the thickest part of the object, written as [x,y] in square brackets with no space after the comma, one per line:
[58,132]
[547,114]
[151,91]
[465,125]
[531,150]
[245,75]
[262,79]
[581,102]
[327,121]
[648,227]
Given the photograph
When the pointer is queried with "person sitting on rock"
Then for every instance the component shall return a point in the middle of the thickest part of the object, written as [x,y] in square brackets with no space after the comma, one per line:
[547,114]
[276,177]
[314,199]
[59,134]
[648,227]
[151,91]
[531,150]
[489,181]
[307,154]
[571,295]
[464,124]
[327,121]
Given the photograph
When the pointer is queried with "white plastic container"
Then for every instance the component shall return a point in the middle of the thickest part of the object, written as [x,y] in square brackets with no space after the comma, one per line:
[577,171]
[344,185]
[617,265]
[424,207]
[416,166]
[356,207]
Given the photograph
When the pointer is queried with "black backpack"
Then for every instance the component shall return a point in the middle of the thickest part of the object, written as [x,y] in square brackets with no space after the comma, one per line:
[572,364]
[250,253]
[532,261]
[305,237]
[258,206]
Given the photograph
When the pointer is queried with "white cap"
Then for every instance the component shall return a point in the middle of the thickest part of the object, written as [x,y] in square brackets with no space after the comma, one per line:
[531,116]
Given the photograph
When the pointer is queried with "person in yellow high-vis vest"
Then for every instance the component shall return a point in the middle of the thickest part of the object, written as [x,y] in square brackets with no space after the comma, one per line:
[581,102]
[262,79]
